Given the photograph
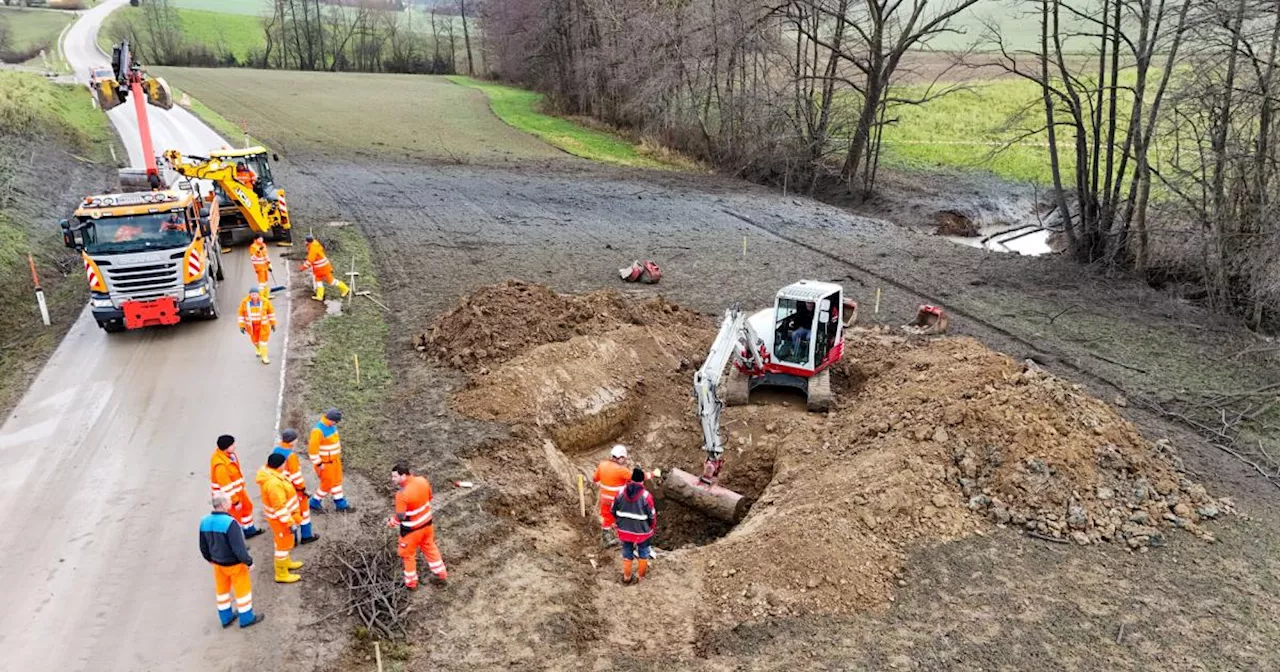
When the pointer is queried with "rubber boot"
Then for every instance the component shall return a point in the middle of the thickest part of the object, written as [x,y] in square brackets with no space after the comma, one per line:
[249,618]
[307,536]
[316,505]
[297,564]
[342,506]
[644,569]
[262,352]
[282,572]
[319,293]
[626,571]
[342,287]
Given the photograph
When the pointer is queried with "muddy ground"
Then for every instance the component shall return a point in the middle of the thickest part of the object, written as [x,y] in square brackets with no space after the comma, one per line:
[524,591]
[990,601]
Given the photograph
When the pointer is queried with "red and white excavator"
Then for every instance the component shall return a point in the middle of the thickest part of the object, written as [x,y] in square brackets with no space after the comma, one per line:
[792,345]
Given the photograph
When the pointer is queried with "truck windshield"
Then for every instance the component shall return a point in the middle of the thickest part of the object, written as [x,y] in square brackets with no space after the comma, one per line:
[135,233]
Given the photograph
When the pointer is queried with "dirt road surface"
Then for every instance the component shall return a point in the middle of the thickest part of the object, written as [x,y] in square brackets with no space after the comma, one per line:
[106,473]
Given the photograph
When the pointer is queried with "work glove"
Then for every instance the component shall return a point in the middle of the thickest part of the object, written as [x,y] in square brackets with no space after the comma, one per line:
[273,328]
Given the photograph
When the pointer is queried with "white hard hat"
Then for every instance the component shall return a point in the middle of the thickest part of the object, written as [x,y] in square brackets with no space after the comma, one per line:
[618,451]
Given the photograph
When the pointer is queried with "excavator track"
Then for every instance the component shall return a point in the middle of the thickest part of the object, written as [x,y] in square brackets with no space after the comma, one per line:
[820,392]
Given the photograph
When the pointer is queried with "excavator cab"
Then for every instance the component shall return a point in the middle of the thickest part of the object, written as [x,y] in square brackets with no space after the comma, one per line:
[257,161]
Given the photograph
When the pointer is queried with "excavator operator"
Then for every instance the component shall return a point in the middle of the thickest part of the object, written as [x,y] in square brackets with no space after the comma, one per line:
[797,328]
[245,175]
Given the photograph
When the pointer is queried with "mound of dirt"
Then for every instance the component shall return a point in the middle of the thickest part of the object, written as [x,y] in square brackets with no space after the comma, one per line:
[930,440]
[499,322]
[955,224]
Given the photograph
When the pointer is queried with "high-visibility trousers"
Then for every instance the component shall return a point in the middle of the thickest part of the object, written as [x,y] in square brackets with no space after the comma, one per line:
[261,271]
[331,479]
[324,275]
[606,514]
[420,540]
[283,537]
[242,508]
[304,508]
[228,580]
[259,332]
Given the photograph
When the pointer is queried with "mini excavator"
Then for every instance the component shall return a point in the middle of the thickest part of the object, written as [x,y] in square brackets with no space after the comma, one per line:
[793,345]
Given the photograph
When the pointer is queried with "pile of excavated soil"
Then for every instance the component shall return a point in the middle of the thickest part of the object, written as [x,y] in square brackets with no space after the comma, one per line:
[930,440]
[498,322]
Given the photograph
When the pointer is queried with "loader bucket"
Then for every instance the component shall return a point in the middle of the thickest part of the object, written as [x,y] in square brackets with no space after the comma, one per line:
[712,500]
[108,96]
[158,93]
[929,320]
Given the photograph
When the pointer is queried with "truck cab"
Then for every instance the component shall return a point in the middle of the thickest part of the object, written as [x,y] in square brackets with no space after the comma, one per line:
[148,256]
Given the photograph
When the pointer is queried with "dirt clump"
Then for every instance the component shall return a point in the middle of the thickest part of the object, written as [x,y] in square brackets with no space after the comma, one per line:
[499,322]
[955,224]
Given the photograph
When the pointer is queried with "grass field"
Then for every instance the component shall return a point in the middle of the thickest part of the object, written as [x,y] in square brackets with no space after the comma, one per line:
[33,28]
[254,8]
[361,114]
[520,109]
[221,32]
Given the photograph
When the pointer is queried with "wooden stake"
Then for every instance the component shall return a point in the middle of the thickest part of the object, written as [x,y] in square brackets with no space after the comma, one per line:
[877,301]
[744,247]
[356,357]
[35,279]
[582,497]
[377,654]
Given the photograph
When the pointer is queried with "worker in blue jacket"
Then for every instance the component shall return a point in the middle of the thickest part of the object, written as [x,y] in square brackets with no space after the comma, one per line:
[222,545]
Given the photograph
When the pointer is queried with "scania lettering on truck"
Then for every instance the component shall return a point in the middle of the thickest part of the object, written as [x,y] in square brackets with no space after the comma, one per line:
[151,257]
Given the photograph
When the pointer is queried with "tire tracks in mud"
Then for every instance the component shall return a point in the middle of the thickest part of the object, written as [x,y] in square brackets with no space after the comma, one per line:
[1055,354]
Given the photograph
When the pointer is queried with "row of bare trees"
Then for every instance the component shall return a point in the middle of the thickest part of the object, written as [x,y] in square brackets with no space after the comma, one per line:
[1158,114]
[351,35]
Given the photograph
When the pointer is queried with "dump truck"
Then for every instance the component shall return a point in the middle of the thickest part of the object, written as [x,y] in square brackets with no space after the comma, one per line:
[245,189]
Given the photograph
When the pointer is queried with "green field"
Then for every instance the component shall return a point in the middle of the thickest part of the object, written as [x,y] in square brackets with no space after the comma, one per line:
[521,109]
[222,33]
[254,8]
[32,28]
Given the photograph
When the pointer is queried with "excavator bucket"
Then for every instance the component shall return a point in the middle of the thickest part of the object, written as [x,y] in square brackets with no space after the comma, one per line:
[711,499]
[929,320]
[158,93]
[108,95]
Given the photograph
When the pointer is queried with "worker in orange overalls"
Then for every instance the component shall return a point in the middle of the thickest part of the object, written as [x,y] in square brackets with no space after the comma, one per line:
[245,175]
[258,320]
[226,478]
[222,545]
[281,504]
[325,449]
[612,475]
[293,471]
[417,526]
[261,264]
[321,270]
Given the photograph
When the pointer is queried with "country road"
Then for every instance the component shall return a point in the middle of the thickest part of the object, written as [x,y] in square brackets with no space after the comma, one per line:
[106,469]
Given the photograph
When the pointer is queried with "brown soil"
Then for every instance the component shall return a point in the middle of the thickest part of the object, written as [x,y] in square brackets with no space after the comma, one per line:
[955,224]
[931,441]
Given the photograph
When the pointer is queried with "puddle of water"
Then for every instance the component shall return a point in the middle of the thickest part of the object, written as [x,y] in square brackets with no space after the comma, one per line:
[1003,238]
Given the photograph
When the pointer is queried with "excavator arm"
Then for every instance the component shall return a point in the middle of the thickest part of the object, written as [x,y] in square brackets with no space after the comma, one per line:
[262,215]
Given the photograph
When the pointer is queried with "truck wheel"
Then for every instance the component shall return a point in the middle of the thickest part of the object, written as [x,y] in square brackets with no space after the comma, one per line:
[212,311]
[218,274]
[111,326]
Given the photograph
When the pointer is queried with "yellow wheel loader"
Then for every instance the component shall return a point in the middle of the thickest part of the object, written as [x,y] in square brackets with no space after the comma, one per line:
[245,190]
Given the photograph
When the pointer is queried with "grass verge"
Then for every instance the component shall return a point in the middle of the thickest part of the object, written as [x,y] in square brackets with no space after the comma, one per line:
[519,109]
[360,331]
[33,29]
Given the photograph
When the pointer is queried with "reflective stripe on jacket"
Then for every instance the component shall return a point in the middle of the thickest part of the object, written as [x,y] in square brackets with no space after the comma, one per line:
[413,504]
[261,312]
[612,477]
[279,499]
[636,515]
[258,255]
[291,469]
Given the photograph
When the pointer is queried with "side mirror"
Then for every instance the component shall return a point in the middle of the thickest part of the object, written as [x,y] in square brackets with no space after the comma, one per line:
[68,236]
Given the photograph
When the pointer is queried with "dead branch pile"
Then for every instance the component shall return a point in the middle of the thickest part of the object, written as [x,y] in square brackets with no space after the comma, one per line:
[362,563]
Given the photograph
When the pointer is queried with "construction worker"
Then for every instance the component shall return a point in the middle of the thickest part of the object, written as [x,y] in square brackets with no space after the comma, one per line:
[261,261]
[321,270]
[325,449]
[293,471]
[280,501]
[417,529]
[222,545]
[225,477]
[637,519]
[245,175]
[612,475]
[258,320]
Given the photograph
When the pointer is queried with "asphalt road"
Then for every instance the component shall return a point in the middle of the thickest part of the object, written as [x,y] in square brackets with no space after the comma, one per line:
[106,470]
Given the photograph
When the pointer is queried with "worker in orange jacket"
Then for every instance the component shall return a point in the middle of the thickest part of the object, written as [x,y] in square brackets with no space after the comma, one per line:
[321,269]
[258,320]
[281,504]
[293,471]
[245,175]
[325,449]
[261,261]
[417,526]
[612,475]
[226,478]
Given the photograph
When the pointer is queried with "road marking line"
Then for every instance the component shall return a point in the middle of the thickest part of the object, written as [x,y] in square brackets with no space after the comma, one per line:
[284,347]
